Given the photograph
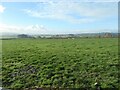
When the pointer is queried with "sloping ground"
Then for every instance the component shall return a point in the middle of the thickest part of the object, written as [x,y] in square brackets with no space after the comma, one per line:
[78,63]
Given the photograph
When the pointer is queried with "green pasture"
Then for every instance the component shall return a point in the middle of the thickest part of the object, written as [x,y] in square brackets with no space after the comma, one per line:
[65,63]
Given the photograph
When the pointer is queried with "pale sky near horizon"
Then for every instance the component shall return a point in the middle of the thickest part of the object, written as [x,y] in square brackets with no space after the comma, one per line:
[58,17]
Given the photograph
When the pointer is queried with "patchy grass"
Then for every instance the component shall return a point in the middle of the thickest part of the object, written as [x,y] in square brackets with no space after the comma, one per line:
[69,63]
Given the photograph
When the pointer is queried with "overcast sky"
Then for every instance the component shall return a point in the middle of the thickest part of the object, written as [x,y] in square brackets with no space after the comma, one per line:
[58,16]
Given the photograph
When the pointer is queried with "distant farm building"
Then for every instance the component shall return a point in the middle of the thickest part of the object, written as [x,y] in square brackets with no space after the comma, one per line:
[108,35]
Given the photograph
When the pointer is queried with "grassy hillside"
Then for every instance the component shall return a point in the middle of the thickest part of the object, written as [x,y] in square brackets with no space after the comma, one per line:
[73,63]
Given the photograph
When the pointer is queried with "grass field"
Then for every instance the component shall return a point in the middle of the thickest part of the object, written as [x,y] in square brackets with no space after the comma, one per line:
[73,63]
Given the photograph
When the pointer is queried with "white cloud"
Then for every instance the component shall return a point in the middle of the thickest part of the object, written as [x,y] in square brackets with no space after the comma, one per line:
[31,29]
[85,11]
[40,29]
[35,29]
[2,9]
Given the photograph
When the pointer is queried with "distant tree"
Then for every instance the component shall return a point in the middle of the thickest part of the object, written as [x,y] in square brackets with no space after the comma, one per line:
[119,35]
[39,37]
[71,35]
[99,36]
[23,36]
